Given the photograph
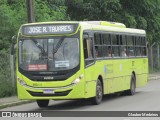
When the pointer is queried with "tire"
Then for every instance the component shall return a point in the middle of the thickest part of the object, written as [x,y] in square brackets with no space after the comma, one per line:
[99,94]
[42,103]
[132,89]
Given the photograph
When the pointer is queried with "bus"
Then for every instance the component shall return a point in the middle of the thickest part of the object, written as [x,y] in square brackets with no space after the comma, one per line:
[79,60]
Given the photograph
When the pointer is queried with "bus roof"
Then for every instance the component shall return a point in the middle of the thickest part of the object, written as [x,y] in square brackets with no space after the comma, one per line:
[111,27]
[97,26]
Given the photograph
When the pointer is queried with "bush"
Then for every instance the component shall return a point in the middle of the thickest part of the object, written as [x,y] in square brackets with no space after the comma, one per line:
[6,87]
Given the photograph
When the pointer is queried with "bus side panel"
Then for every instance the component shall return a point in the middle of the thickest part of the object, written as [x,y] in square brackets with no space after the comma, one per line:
[91,75]
[108,76]
[90,81]
[142,73]
[141,80]
[122,75]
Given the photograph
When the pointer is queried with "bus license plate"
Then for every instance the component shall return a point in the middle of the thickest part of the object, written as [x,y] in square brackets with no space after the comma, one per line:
[48,91]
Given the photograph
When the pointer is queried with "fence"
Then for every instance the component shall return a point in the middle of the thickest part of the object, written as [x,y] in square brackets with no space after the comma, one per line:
[154,57]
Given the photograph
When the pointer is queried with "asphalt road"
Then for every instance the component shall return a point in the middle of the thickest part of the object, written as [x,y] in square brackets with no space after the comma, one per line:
[145,99]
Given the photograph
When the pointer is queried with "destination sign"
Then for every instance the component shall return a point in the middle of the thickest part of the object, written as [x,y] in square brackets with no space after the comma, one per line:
[48,29]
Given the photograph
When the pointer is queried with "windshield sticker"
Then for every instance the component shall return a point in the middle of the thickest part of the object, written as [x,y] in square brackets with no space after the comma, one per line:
[51,41]
[59,64]
[38,67]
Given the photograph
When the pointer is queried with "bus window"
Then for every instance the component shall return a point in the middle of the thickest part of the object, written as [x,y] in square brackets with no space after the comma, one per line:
[115,45]
[143,41]
[97,39]
[138,51]
[124,42]
[88,50]
[123,51]
[107,52]
[106,39]
[130,44]
[143,51]
[116,51]
[98,45]
[130,41]
[123,47]
[115,39]
[143,46]
[130,51]
[138,41]
[98,51]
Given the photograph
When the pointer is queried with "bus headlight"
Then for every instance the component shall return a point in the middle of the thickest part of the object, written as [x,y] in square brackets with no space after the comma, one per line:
[77,80]
[21,81]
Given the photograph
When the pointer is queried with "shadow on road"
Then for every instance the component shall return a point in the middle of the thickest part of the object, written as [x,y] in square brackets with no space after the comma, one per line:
[81,104]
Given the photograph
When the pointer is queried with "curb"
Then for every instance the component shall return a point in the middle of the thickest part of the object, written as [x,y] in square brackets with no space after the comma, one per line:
[11,104]
[154,78]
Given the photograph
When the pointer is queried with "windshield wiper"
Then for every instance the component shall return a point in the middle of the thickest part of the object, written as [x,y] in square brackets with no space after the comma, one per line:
[58,45]
[39,46]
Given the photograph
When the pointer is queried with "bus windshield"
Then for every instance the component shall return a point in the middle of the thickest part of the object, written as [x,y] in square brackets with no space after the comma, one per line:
[48,54]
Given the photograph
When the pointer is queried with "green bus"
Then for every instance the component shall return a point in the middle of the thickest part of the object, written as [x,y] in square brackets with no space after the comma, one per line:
[79,60]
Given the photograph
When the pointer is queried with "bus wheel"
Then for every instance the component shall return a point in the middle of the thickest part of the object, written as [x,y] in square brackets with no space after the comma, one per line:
[42,103]
[132,89]
[99,94]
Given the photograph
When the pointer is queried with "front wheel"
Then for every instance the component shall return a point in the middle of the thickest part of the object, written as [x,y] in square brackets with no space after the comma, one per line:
[99,94]
[42,103]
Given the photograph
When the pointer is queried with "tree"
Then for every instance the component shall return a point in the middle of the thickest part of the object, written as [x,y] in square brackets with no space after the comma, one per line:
[143,14]
[13,14]
[93,9]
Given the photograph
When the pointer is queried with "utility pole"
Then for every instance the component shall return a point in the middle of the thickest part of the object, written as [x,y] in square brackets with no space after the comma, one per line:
[30,11]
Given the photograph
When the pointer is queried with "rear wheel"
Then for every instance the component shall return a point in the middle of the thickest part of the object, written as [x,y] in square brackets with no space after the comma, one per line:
[99,94]
[132,89]
[42,103]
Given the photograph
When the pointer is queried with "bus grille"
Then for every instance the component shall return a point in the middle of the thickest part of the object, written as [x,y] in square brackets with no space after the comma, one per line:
[41,94]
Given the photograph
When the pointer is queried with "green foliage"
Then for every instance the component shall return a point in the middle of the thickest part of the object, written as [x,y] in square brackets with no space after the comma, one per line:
[44,12]
[12,16]
[93,9]
[146,14]
[141,14]
[13,13]
[6,88]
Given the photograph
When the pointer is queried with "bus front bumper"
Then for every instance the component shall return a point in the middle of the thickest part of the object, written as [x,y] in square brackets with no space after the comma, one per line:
[72,91]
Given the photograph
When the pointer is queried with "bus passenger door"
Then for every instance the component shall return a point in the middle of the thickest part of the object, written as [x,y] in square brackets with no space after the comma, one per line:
[89,67]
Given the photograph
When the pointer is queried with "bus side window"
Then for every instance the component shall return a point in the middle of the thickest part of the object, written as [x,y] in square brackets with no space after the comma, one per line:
[115,45]
[143,46]
[88,50]
[107,51]
[123,45]
[98,45]
[130,44]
